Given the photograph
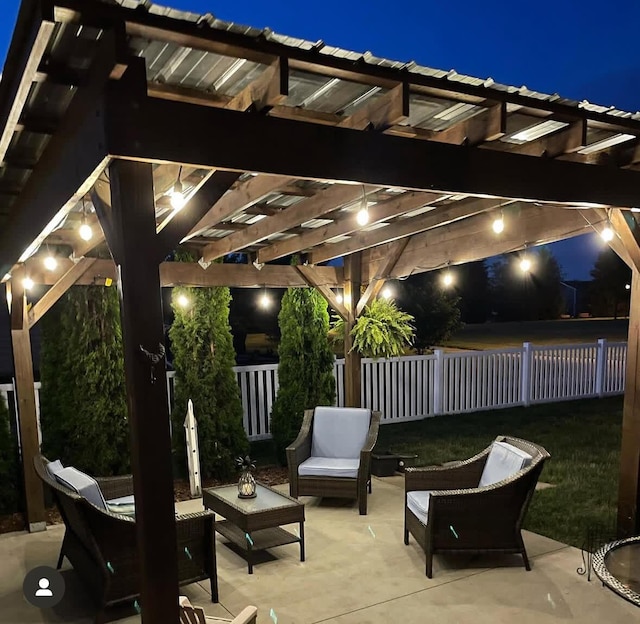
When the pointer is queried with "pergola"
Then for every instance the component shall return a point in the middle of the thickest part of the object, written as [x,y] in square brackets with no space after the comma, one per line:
[107,106]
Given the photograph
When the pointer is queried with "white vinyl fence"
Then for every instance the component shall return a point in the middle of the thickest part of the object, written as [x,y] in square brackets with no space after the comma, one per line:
[419,386]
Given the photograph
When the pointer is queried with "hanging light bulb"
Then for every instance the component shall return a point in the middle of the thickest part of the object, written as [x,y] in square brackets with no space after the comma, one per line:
[607,234]
[447,279]
[339,298]
[363,213]
[50,263]
[627,286]
[387,293]
[525,265]
[85,231]
[265,300]
[183,301]
[498,225]
[178,199]
[27,283]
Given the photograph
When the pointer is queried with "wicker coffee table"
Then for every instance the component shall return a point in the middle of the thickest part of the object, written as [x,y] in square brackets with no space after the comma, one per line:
[256,523]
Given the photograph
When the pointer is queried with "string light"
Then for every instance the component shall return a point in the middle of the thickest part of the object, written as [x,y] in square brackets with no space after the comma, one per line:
[27,283]
[363,213]
[525,265]
[498,224]
[85,231]
[265,300]
[627,286]
[339,298]
[178,199]
[387,293]
[183,301]
[607,234]
[50,263]
[447,279]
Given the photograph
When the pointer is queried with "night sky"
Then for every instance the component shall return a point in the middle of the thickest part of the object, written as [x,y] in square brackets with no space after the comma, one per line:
[581,49]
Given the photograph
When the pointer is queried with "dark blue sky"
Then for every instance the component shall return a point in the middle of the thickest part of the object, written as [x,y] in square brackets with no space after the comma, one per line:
[581,49]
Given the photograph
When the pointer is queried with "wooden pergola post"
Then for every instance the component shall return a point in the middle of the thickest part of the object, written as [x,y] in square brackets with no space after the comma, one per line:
[132,229]
[352,360]
[629,486]
[23,368]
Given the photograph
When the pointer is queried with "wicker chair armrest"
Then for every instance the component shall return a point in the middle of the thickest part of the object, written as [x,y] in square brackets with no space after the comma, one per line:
[300,448]
[464,475]
[116,487]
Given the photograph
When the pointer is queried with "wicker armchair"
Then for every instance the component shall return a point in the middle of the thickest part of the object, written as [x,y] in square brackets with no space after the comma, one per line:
[102,546]
[332,454]
[463,514]
[195,615]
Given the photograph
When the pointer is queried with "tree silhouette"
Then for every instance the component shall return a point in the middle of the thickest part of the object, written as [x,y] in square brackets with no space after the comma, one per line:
[608,295]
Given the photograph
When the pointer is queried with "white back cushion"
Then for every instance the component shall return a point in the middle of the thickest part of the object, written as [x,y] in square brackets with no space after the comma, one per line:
[504,460]
[54,467]
[339,432]
[82,484]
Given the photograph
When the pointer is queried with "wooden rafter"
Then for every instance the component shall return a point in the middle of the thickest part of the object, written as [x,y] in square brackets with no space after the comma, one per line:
[627,235]
[383,271]
[406,202]
[473,239]
[387,110]
[311,208]
[244,194]
[441,215]
[269,89]
[68,279]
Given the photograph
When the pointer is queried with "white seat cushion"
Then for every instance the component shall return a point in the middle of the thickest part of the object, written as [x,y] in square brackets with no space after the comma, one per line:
[418,504]
[124,505]
[339,432]
[54,467]
[82,484]
[329,467]
[504,461]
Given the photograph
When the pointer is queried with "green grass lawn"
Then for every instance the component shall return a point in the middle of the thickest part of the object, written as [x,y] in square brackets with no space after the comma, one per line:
[583,438]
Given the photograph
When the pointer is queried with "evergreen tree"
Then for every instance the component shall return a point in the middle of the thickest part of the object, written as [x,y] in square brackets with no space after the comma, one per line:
[9,485]
[608,293]
[203,353]
[435,309]
[305,371]
[83,399]
[472,286]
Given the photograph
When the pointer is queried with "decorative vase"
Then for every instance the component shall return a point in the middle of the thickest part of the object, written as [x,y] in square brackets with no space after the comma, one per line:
[246,485]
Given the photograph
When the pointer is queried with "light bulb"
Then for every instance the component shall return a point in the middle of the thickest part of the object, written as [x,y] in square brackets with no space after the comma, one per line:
[339,298]
[27,283]
[183,301]
[607,234]
[627,286]
[85,231]
[50,263]
[387,293]
[447,278]
[177,196]
[525,265]
[498,225]
[363,216]
[265,301]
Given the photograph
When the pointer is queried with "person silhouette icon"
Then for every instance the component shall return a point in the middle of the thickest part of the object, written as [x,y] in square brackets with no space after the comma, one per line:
[44,588]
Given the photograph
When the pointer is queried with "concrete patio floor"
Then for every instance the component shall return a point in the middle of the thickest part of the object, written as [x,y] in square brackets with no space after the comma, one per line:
[358,571]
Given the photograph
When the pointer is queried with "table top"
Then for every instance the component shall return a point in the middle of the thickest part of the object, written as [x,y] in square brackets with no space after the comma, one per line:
[617,565]
[267,498]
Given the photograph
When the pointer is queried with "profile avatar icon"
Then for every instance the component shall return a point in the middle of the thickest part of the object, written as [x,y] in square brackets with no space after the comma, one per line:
[44,588]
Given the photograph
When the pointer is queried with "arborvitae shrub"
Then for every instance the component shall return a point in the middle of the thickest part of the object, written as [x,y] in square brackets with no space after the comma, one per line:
[83,399]
[204,357]
[305,371]
[9,481]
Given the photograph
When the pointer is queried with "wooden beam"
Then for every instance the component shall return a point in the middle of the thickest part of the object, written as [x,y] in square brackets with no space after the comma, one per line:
[305,210]
[313,277]
[133,204]
[622,226]
[28,421]
[178,93]
[441,215]
[244,194]
[406,202]
[69,165]
[352,359]
[196,208]
[68,279]
[296,113]
[192,274]
[387,110]
[24,64]
[232,140]
[384,270]
[473,239]
[487,125]
[269,89]
[628,521]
